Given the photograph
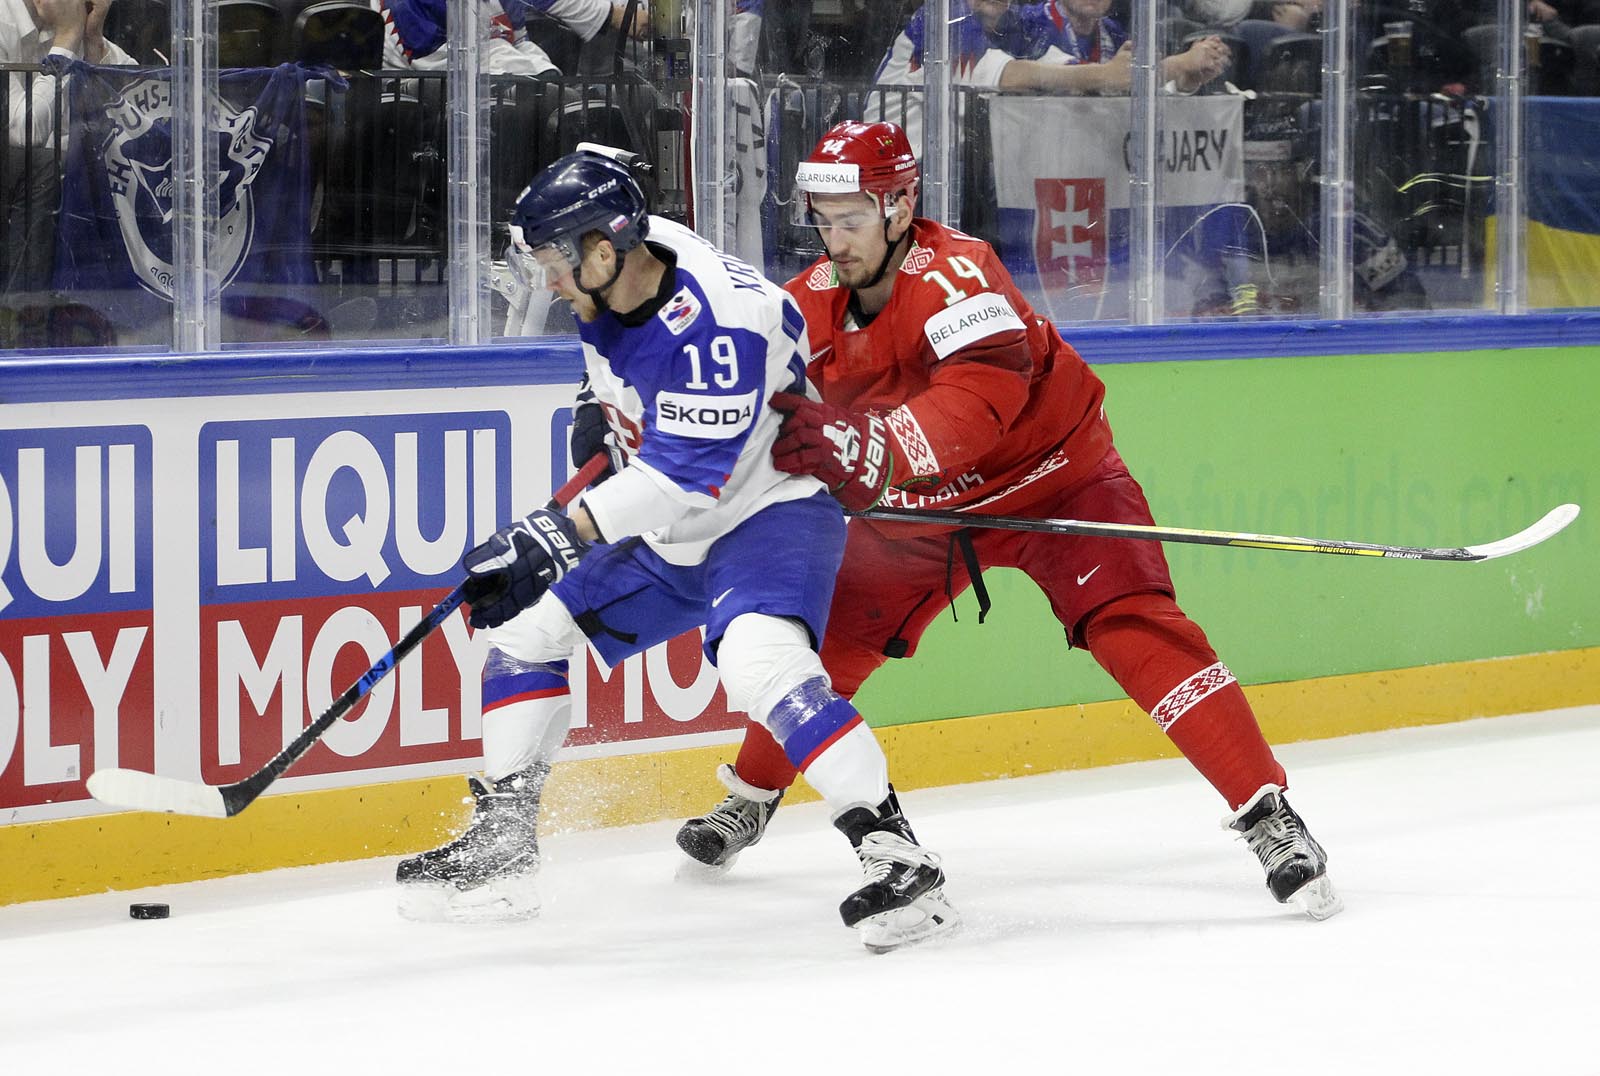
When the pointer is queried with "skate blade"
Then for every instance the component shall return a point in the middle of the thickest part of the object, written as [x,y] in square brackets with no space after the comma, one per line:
[506,900]
[1318,899]
[930,915]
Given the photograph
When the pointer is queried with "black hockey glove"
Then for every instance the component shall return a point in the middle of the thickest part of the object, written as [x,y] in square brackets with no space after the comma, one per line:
[514,568]
[591,433]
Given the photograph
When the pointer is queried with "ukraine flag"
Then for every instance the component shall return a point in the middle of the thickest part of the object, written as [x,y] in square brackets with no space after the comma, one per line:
[1563,202]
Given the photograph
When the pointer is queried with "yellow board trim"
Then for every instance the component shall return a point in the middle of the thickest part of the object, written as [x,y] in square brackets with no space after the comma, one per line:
[129,851]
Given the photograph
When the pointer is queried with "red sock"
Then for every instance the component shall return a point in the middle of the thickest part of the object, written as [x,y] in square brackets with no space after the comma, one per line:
[1162,660]
[761,761]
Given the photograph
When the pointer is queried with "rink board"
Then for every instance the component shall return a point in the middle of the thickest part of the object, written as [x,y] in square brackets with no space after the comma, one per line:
[129,851]
[184,546]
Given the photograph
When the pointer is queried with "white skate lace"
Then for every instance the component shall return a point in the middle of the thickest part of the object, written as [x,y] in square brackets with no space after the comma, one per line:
[1275,841]
[880,851]
[734,818]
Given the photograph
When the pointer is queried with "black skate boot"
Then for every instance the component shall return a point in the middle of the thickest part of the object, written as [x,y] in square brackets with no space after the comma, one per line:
[1296,866]
[485,874]
[717,837]
[903,899]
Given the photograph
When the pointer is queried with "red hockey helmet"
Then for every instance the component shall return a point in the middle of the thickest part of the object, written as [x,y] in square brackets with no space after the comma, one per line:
[869,158]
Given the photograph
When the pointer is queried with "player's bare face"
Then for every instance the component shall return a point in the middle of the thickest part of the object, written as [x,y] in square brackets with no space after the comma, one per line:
[851,227]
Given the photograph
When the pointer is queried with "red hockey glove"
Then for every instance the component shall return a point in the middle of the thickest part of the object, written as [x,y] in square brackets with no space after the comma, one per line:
[849,452]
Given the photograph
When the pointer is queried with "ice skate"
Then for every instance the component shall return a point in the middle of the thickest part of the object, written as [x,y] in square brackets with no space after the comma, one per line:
[486,874]
[1295,863]
[717,837]
[902,901]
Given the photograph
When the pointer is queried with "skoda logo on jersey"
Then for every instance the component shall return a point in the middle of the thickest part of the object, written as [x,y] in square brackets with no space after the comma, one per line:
[138,163]
[680,311]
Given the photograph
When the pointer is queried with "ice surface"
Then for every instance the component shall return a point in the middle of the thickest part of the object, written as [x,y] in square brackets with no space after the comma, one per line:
[1111,927]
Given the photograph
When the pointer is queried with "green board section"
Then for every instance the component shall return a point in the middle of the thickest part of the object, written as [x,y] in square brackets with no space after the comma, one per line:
[1427,450]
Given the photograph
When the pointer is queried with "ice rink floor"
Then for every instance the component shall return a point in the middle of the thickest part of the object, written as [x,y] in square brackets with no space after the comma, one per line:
[1111,927]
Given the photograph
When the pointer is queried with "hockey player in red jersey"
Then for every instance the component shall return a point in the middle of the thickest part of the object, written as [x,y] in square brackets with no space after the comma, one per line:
[940,387]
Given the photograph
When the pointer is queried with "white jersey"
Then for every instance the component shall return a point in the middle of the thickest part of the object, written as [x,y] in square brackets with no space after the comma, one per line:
[685,385]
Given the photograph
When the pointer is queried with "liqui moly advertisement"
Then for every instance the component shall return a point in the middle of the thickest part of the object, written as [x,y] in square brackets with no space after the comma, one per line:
[184,590]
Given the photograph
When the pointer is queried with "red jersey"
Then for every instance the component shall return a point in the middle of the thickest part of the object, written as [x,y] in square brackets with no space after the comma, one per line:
[988,408]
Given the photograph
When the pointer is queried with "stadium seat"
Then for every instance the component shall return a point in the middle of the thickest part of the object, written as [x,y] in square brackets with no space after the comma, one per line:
[1558,73]
[1293,64]
[1258,36]
[249,34]
[1484,42]
[339,34]
[1586,61]
[1557,65]
[143,29]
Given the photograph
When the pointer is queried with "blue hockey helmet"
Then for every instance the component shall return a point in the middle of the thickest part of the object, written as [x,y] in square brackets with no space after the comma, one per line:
[590,190]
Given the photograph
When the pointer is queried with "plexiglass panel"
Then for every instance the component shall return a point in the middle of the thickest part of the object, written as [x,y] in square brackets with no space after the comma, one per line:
[798,70]
[1421,156]
[1041,163]
[573,72]
[1133,160]
[86,234]
[334,151]
[1559,208]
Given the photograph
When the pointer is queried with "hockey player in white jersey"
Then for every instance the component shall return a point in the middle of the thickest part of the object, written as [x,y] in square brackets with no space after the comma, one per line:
[683,346]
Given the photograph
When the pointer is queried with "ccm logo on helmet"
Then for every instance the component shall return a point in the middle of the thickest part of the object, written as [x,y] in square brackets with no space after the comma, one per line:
[705,417]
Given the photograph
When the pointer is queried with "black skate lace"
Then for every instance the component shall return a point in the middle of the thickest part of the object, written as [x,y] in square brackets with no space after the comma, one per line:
[1276,840]
[734,818]
[880,851]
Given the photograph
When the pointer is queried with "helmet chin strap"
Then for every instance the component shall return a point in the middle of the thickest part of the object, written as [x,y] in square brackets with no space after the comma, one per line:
[888,255]
[596,294]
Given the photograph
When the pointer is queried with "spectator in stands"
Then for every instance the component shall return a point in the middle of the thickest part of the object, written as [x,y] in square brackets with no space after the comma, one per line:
[30,182]
[1059,46]
[417,30]
[507,51]
[1084,32]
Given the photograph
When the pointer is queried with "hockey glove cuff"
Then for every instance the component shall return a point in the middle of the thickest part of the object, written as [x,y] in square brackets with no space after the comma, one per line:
[514,568]
[853,454]
[591,433]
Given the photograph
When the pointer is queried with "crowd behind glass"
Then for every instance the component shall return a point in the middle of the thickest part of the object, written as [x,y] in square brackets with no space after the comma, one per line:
[330,218]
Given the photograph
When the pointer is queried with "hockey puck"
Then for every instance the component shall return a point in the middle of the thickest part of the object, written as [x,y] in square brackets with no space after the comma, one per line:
[148,911]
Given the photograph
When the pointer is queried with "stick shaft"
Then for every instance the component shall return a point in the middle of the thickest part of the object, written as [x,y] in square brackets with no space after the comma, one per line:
[1552,523]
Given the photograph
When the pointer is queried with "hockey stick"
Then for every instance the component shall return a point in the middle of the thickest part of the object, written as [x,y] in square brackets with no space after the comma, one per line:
[137,791]
[1552,523]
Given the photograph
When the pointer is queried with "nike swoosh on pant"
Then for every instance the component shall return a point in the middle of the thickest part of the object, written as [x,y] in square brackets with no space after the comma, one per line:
[1082,579]
[718,599]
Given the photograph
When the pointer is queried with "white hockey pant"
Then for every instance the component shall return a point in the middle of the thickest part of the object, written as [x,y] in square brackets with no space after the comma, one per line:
[770,671]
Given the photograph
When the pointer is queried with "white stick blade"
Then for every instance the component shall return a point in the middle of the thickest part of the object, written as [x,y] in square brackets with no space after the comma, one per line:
[132,790]
[1553,523]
